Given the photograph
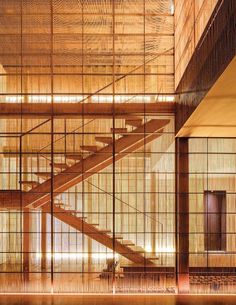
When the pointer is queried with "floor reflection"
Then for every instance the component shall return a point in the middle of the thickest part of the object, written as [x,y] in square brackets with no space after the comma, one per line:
[116,300]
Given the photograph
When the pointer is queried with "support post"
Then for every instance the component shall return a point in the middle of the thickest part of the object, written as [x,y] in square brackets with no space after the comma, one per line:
[43,241]
[91,220]
[26,243]
[182,215]
[26,211]
[153,210]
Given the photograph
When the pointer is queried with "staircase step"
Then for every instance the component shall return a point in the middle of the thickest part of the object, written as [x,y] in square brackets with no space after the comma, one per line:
[128,243]
[119,237]
[104,140]
[75,213]
[60,166]
[104,231]
[63,206]
[30,183]
[134,122]
[116,236]
[90,148]
[138,249]
[43,175]
[152,258]
[74,157]
[94,224]
[118,130]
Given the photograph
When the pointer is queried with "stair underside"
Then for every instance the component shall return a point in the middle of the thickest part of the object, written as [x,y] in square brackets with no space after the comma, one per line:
[126,248]
[96,234]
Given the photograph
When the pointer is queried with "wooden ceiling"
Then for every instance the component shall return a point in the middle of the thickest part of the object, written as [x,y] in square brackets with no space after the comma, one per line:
[216,114]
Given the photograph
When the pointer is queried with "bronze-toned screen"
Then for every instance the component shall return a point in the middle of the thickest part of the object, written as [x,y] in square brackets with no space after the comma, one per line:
[87,150]
[212,215]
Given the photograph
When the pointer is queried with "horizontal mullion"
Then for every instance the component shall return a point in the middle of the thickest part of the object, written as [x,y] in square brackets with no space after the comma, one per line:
[82,74]
[88,171]
[41,152]
[123,232]
[134,94]
[87,34]
[3,134]
[87,14]
[69,66]
[90,54]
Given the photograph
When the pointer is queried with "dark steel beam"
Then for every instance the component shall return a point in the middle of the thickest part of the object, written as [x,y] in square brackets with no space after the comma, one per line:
[88,110]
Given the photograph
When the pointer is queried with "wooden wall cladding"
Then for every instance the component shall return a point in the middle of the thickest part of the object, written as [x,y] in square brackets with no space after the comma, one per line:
[191,18]
[214,51]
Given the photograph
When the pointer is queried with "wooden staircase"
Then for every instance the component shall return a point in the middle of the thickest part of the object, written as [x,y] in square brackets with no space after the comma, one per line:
[93,163]
[126,248]
[68,175]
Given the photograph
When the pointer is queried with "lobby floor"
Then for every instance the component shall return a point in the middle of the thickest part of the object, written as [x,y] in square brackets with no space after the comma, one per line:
[116,300]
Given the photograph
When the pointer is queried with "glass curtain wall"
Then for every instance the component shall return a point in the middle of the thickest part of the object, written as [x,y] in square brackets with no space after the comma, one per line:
[87,201]
[212,215]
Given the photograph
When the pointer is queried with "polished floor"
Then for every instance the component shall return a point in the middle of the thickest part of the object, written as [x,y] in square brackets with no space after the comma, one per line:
[116,300]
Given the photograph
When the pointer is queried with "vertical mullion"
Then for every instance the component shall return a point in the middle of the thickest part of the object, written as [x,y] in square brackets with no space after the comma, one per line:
[144,163]
[83,134]
[207,211]
[21,131]
[52,151]
[113,146]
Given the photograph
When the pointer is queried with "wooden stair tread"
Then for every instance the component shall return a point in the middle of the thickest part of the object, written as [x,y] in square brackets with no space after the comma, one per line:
[60,165]
[138,249]
[105,140]
[75,157]
[118,130]
[152,258]
[119,237]
[45,175]
[134,122]
[104,231]
[128,243]
[135,267]
[31,184]
[90,148]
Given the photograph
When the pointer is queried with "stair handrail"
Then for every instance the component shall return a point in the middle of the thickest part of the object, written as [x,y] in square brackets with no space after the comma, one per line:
[141,212]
